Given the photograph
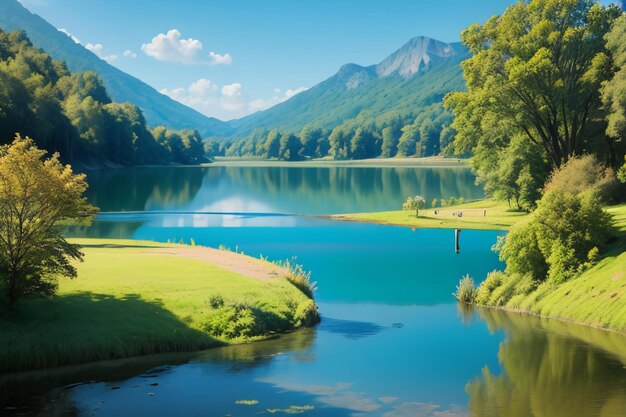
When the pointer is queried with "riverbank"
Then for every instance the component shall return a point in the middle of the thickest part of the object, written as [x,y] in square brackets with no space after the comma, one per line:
[428,162]
[595,297]
[135,298]
[485,214]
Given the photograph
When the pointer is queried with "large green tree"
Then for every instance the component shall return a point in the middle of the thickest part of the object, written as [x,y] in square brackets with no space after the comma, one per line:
[614,90]
[537,70]
[37,197]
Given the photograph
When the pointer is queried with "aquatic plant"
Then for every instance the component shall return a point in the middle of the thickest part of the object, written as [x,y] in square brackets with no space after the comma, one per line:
[466,290]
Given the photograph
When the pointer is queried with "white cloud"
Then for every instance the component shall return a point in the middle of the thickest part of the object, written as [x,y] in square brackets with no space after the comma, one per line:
[98,49]
[278,97]
[218,59]
[229,101]
[67,32]
[130,54]
[171,47]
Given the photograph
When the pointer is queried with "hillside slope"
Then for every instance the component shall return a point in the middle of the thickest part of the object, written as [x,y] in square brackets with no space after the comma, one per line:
[157,108]
[415,76]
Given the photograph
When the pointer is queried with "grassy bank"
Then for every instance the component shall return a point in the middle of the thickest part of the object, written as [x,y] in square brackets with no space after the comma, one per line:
[596,297]
[135,298]
[480,215]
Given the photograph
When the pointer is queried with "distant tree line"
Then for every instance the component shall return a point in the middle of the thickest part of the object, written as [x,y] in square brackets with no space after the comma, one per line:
[72,113]
[396,134]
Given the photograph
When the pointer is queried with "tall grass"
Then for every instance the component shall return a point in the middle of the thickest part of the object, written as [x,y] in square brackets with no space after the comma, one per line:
[466,290]
[300,278]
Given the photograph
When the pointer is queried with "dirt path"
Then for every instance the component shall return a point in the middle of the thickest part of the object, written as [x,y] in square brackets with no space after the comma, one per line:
[241,264]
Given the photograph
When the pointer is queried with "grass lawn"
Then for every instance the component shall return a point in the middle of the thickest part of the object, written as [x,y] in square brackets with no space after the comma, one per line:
[136,298]
[481,215]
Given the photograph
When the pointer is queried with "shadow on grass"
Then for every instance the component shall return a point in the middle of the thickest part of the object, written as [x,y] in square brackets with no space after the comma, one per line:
[86,327]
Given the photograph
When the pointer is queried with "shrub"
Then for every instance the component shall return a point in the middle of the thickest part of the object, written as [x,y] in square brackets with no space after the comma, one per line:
[232,321]
[556,240]
[466,290]
[583,174]
[216,301]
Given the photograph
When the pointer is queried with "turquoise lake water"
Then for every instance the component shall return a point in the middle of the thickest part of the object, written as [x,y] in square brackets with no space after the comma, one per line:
[392,342]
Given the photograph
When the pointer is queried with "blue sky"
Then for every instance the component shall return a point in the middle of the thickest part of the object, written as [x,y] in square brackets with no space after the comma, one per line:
[232,57]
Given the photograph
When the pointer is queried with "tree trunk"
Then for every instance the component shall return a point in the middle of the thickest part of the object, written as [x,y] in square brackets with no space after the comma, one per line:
[417,213]
[13,293]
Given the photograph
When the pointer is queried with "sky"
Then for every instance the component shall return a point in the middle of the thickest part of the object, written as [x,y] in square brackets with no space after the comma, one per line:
[230,58]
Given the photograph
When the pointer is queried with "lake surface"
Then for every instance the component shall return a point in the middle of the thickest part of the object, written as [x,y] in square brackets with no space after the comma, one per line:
[392,341]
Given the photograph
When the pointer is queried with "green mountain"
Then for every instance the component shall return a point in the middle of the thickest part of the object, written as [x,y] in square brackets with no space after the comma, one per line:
[409,81]
[157,108]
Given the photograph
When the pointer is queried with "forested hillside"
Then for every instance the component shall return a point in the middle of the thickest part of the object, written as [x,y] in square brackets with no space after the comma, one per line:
[73,114]
[158,108]
[390,109]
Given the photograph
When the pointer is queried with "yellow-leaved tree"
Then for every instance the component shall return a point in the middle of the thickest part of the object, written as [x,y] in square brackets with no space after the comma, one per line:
[38,196]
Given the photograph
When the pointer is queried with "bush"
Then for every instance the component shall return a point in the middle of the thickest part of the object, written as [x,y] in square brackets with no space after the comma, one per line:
[557,239]
[583,174]
[466,290]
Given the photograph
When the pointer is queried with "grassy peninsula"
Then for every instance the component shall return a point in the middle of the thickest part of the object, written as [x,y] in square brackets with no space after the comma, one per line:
[594,297]
[135,298]
[485,214]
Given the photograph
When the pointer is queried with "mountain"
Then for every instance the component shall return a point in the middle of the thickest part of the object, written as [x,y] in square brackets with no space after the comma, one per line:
[414,77]
[157,108]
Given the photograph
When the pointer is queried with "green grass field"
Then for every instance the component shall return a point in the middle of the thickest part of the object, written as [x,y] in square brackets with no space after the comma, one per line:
[597,297]
[479,215]
[131,298]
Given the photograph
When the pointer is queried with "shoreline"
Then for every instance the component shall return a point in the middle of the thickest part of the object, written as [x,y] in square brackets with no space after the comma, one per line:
[486,214]
[139,298]
[586,299]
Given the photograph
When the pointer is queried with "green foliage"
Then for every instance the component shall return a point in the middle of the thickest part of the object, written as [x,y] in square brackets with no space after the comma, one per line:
[37,197]
[466,290]
[621,174]
[360,137]
[533,98]
[414,203]
[555,242]
[614,90]
[73,114]
[583,174]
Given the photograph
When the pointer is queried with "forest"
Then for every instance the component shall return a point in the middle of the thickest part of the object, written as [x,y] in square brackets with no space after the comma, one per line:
[72,114]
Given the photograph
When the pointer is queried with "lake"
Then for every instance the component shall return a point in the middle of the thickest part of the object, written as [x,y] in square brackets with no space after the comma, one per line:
[392,341]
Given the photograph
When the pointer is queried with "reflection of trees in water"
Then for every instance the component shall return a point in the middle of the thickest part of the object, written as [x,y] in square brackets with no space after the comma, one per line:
[250,355]
[370,187]
[551,369]
[133,188]
[50,393]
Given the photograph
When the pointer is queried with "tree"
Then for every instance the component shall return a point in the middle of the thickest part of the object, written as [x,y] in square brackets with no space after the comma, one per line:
[272,144]
[390,142]
[414,203]
[290,147]
[614,90]
[310,136]
[408,140]
[538,68]
[37,197]
[561,237]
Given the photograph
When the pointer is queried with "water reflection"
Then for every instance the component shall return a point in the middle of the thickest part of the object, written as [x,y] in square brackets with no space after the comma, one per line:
[551,369]
[297,190]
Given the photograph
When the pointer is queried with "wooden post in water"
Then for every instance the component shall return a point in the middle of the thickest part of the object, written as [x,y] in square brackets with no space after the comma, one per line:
[457,235]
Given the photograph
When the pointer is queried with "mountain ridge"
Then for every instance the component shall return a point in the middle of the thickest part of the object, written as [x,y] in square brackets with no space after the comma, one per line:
[423,67]
[158,108]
